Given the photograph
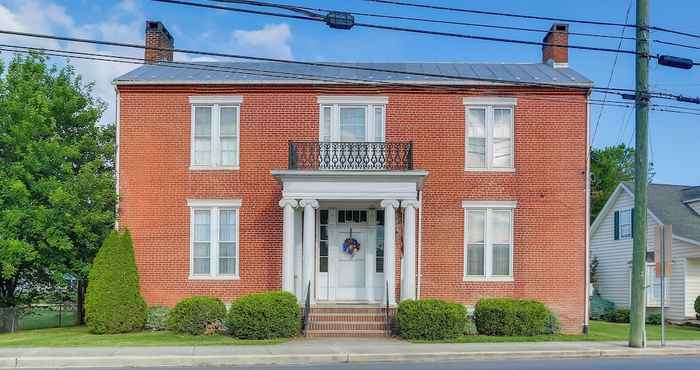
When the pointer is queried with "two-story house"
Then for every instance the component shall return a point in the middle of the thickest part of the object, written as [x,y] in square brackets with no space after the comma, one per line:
[357,183]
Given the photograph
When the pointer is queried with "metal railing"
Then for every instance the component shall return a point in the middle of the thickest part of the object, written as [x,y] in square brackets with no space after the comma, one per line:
[377,156]
[307,309]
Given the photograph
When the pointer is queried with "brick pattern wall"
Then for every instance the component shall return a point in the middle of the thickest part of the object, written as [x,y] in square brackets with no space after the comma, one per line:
[549,186]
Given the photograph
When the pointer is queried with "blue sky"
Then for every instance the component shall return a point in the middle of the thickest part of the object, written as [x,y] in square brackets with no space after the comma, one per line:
[674,137]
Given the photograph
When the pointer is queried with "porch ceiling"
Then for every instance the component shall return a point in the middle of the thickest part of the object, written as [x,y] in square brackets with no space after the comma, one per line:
[341,185]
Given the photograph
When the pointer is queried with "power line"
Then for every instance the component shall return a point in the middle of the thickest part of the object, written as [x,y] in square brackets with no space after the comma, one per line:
[405,29]
[612,71]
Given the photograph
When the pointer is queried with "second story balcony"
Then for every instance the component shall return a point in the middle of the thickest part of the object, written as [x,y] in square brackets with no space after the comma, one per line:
[359,156]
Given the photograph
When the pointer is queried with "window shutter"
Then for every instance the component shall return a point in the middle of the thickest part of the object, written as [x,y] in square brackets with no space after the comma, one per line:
[617,225]
[632,222]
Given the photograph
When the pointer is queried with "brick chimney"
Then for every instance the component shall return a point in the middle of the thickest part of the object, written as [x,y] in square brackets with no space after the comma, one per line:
[157,36]
[556,56]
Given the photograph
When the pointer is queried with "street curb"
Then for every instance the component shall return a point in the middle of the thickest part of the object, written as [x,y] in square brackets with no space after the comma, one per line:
[304,359]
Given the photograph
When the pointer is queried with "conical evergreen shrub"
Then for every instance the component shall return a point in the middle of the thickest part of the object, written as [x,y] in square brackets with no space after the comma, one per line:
[113,303]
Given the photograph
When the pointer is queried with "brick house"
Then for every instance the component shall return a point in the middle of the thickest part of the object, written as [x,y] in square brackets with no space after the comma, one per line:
[243,177]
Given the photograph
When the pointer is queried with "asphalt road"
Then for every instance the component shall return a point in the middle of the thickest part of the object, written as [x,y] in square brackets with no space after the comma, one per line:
[640,363]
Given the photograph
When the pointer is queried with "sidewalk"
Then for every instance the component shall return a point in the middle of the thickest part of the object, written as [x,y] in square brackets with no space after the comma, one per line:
[325,350]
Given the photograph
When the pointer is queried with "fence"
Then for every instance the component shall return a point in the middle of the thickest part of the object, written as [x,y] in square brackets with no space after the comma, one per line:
[38,316]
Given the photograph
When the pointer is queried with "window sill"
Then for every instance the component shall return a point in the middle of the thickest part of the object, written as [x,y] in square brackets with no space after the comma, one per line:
[208,168]
[213,278]
[488,279]
[468,169]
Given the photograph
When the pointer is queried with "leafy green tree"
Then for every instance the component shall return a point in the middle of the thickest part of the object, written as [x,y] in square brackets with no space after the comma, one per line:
[113,303]
[57,194]
[610,166]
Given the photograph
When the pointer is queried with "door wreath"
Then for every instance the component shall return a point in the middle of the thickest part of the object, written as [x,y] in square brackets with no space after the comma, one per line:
[351,246]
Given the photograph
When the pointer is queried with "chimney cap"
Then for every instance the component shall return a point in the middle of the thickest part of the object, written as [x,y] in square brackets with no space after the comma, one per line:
[556,28]
[158,26]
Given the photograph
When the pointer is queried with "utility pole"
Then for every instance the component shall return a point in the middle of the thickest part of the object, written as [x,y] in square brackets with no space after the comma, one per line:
[637,335]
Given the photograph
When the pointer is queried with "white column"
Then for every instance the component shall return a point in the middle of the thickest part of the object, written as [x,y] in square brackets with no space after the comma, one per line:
[298,252]
[309,247]
[390,206]
[288,244]
[408,290]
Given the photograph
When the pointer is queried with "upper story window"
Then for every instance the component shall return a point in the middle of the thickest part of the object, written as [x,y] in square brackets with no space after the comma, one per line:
[489,134]
[352,118]
[215,132]
[214,238]
[488,240]
[623,221]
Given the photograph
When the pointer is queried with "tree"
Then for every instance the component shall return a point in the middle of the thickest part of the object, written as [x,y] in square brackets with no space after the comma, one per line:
[609,167]
[57,192]
[113,301]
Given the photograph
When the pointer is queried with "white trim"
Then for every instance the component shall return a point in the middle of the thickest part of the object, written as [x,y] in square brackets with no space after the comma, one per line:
[587,196]
[297,81]
[236,203]
[683,239]
[222,99]
[479,278]
[116,160]
[489,204]
[608,205]
[497,101]
[209,168]
[352,99]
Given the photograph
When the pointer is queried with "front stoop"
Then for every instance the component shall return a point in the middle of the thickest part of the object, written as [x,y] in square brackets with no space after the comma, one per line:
[349,321]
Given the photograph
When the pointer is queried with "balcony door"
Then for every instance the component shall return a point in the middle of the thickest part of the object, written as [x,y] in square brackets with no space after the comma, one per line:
[354,123]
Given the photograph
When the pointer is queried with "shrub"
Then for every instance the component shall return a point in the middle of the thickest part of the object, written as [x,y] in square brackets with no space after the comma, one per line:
[470,327]
[157,318]
[264,316]
[195,315]
[619,316]
[551,324]
[600,308]
[113,303]
[654,318]
[510,317]
[430,319]
[697,306]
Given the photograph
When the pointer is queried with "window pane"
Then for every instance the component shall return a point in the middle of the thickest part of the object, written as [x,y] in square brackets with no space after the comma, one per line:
[502,152]
[477,122]
[341,216]
[324,232]
[201,258]
[501,259]
[326,124]
[380,217]
[477,152]
[501,227]
[475,226]
[202,226]
[378,124]
[323,264]
[475,259]
[352,124]
[501,123]
[227,266]
[229,151]
[227,225]
[202,150]
[229,121]
[379,261]
[202,121]
[323,216]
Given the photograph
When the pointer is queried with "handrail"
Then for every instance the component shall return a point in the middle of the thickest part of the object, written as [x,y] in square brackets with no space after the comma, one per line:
[388,319]
[332,155]
[307,309]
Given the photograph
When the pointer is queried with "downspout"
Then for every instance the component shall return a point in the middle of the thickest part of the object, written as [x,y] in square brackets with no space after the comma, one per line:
[587,278]
[116,158]
[420,242]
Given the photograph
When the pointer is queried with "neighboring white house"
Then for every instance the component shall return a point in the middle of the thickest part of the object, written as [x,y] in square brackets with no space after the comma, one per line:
[611,243]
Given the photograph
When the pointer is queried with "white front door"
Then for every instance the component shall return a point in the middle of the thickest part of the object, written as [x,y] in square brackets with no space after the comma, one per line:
[350,270]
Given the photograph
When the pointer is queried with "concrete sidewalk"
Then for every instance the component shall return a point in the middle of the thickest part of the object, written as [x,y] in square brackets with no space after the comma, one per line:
[324,350]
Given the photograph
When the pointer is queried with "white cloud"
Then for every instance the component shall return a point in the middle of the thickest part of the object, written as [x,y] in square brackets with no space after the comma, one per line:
[123,22]
[272,40]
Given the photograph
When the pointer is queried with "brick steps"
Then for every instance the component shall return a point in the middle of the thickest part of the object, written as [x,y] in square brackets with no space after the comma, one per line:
[348,321]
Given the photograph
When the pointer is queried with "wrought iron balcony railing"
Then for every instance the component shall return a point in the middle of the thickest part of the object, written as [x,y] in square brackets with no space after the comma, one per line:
[314,155]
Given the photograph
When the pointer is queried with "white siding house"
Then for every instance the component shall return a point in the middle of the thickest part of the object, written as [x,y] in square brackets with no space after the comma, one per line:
[611,244]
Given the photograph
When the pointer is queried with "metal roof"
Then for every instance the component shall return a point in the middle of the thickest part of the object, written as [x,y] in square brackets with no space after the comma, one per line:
[667,203]
[290,73]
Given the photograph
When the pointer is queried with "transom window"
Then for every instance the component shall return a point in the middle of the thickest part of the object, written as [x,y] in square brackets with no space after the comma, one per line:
[488,240]
[352,216]
[214,238]
[215,132]
[352,119]
[489,134]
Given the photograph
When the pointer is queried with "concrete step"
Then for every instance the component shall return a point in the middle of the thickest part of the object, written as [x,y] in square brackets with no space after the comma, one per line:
[347,333]
[347,326]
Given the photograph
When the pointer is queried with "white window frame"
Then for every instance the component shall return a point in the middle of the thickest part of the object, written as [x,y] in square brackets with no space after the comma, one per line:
[214,206]
[369,103]
[215,103]
[489,207]
[489,104]
[619,225]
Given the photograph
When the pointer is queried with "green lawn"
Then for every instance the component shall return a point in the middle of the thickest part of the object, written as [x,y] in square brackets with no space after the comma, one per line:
[599,331]
[79,336]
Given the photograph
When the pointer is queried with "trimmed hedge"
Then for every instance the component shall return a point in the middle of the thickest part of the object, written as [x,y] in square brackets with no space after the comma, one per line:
[552,324]
[431,319]
[654,318]
[113,303]
[510,317]
[600,308]
[264,316]
[196,315]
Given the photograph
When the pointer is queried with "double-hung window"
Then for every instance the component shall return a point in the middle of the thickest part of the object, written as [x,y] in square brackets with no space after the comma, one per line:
[488,240]
[214,238]
[352,118]
[215,132]
[489,131]
[623,224]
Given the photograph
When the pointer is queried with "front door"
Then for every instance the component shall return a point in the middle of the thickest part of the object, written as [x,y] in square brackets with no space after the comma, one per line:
[350,270]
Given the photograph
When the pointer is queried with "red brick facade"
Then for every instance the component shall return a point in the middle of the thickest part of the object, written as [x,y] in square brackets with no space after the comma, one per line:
[548,184]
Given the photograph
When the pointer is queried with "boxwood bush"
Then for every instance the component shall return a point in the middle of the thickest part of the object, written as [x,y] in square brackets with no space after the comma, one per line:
[431,319]
[510,317]
[195,315]
[264,316]
[113,303]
